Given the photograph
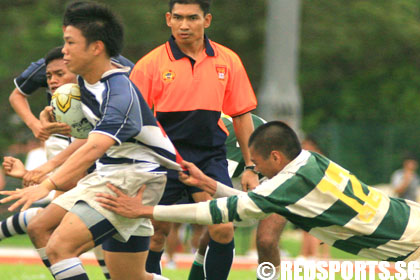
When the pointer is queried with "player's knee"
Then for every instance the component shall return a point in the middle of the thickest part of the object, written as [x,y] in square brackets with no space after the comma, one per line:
[36,231]
[222,233]
[53,250]
[157,242]
[266,242]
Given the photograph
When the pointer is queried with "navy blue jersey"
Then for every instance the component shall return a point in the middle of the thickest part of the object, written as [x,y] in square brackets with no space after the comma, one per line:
[116,108]
[34,76]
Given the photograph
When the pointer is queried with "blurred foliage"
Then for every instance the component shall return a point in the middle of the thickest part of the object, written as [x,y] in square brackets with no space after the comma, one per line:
[31,28]
[359,60]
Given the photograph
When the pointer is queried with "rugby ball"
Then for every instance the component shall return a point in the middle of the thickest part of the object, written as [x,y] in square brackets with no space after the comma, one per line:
[67,108]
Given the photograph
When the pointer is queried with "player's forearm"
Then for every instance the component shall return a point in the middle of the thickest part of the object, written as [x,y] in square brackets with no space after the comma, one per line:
[195,213]
[225,191]
[21,106]
[60,158]
[77,164]
[244,127]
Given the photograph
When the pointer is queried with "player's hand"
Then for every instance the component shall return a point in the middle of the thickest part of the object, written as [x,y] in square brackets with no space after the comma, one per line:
[13,167]
[50,125]
[25,196]
[195,176]
[122,204]
[33,177]
[249,180]
[39,132]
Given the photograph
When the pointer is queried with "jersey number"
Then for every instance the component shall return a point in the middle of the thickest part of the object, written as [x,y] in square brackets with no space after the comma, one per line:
[335,180]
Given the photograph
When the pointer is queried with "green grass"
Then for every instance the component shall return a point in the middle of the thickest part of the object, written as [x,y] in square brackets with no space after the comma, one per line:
[290,243]
[38,272]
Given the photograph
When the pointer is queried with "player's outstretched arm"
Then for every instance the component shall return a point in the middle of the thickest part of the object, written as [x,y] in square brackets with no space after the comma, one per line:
[38,174]
[197,178]
[124,205]
[14,167]
[25,197]
[132,207]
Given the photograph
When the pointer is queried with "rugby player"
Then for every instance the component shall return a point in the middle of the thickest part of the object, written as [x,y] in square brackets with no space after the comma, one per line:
[128,144]
[305,187]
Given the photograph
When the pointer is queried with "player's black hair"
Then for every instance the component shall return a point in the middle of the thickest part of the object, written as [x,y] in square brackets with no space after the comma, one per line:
[409,156]
[54,54]
[204,4]
[97,23]
[275,136]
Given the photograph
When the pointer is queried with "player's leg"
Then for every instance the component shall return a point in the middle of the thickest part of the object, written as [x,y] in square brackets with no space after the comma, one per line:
[310,245]
[127,259]
[197,268]
[80,230]
[197,232]
[174,191]
[157,246]
[17,223]
[268,236]
[219,255]
[42,226]
[220,251]
[99,254]
[172,244]
[71,238]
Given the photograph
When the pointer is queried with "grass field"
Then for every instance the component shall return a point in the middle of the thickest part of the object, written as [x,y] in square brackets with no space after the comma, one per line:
[290,245]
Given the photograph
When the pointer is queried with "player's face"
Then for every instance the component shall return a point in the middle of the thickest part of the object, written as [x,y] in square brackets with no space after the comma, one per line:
[77,53]
[268,167]
[58,74]
[187,22]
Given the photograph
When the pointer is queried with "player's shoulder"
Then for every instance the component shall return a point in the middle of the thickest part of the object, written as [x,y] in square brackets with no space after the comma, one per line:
[122,61]
[118,82]
[35,68]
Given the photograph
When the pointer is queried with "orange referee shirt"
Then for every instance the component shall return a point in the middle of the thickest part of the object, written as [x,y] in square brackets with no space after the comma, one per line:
[188,96]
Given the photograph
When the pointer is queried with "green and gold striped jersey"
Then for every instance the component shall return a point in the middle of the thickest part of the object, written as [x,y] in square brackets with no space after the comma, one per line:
[233,151]
[329,202]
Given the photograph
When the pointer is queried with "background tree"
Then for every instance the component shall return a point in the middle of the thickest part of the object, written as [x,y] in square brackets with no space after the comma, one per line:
[359,66]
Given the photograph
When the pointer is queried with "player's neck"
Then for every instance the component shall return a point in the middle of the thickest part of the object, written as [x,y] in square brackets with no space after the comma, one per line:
[193,50]
[97,69]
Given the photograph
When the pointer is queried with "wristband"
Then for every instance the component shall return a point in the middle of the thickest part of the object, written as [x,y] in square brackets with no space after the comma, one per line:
[250,167]
[53,183]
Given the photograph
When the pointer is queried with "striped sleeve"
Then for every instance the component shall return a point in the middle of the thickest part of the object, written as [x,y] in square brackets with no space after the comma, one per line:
[217,211]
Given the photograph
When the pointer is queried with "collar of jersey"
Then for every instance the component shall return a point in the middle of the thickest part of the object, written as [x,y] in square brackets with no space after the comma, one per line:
[116,71]
[178,54]
[297,162]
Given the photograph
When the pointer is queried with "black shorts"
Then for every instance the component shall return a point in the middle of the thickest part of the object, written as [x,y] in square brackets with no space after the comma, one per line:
[212,161]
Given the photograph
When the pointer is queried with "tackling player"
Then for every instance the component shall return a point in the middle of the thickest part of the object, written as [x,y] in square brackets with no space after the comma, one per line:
[308,189]
[269,229]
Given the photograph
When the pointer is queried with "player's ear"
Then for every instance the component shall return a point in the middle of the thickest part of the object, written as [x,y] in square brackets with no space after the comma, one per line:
[207,20]
[168,19]
[98,47]
[276,156]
